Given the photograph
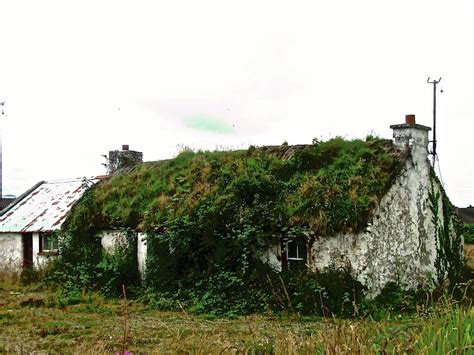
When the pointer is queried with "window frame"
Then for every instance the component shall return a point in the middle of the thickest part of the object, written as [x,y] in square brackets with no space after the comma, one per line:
[301,256]
[44,239]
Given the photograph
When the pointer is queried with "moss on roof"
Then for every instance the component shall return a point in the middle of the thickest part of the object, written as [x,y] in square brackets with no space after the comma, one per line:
[326,187]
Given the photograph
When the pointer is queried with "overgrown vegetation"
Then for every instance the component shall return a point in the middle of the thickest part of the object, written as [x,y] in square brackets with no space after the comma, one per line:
[468,232]
[209,215]
[331,186]
[449,262]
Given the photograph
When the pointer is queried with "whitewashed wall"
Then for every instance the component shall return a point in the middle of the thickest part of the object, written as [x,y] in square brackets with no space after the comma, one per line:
[40,261]
[141,253]
[111,238]
[11,252]
[399,244]
[272,257]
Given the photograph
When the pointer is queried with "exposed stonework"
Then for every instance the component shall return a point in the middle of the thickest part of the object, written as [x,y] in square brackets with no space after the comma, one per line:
[122,159]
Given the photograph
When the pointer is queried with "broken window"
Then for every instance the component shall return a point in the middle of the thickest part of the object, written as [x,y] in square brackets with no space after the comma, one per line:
[294,253]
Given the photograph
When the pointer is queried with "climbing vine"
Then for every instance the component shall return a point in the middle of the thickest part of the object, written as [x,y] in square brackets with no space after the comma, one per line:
[448,232]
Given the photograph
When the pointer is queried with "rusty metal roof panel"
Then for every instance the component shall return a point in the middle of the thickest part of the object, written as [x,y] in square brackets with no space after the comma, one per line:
[44,207]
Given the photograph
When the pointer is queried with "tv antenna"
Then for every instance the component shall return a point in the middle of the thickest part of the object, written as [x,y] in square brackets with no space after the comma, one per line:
[433,151]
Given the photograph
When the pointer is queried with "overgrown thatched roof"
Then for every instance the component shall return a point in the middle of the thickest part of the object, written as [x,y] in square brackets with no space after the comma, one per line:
[327,187]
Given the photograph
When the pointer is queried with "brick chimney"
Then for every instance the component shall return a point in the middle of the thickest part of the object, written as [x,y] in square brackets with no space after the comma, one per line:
[124,158]
[412,135]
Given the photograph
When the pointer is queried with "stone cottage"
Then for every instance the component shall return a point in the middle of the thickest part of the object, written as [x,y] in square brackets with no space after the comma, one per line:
[410,237]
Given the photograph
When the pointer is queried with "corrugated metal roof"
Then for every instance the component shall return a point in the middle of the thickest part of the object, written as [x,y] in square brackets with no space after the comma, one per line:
[44,207]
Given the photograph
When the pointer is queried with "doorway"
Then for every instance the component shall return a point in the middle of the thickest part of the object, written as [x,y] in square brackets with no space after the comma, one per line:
[27,250]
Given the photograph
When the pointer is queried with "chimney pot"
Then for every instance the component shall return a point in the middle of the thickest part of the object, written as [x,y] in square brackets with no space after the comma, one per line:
[125,147]
[410,119]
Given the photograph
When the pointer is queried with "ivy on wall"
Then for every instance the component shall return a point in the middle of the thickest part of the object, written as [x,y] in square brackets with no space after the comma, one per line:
[448,262]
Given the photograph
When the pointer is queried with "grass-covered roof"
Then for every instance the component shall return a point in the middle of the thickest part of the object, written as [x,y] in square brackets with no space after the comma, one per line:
[325,187]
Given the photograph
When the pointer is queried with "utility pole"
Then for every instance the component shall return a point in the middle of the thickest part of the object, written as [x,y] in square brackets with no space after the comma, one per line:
[433,152]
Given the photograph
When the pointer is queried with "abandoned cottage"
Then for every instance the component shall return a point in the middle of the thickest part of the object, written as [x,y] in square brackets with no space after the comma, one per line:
[374,205]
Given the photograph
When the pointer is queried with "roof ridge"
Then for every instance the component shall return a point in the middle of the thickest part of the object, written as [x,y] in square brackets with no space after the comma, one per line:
[71,179]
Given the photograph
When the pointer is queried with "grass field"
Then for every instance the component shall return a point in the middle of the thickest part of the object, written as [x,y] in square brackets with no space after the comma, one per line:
[32,319]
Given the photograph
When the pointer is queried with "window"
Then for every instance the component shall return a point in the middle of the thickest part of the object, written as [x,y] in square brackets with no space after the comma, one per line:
[295,253]
[48,242]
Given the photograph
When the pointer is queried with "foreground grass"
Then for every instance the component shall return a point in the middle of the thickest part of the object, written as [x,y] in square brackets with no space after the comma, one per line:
[33,319]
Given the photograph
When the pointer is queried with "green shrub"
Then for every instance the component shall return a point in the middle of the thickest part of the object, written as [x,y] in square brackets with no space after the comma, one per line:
[332,291]
[468,232]
[119,267]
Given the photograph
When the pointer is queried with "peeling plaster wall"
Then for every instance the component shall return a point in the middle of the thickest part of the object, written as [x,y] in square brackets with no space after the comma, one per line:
[11,252]
[400,242]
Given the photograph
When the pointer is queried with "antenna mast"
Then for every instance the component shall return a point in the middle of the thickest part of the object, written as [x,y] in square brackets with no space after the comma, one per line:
[434,82]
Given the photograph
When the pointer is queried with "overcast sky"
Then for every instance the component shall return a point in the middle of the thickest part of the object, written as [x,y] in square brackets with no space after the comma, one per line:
[82,78]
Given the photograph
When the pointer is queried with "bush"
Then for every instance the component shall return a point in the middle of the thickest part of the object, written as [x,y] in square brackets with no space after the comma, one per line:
[84,265]
[332,291]
[119,267]
[468,232]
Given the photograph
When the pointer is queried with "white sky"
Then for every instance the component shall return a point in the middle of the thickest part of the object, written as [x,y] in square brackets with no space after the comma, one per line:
[83,77]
